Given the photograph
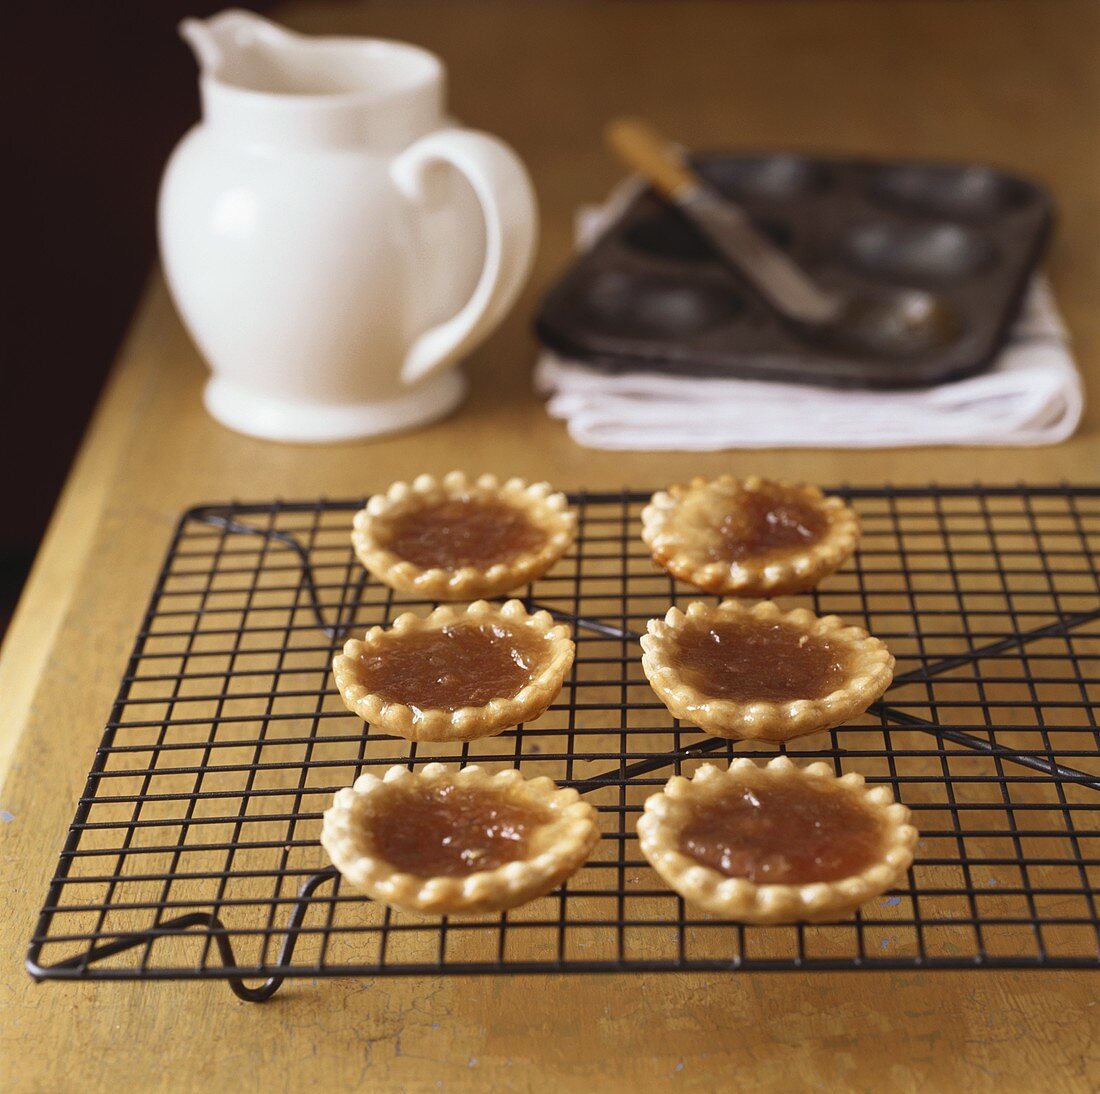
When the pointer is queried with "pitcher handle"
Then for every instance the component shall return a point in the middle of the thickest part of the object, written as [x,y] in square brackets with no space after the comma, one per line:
[507,201]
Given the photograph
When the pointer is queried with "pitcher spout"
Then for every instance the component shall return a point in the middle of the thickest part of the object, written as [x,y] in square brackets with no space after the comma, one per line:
[263,85]
[216,40]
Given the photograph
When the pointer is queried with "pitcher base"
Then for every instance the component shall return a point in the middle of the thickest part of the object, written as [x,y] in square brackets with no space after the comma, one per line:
[246,411]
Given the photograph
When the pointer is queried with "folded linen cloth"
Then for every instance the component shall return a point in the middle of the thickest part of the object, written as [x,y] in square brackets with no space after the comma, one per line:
[1031,395]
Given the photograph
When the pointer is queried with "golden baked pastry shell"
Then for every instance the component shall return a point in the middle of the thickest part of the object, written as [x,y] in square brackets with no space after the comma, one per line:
[870,668]
[555,850]
[465,723]
[542,505]
[667,812]
[679,548]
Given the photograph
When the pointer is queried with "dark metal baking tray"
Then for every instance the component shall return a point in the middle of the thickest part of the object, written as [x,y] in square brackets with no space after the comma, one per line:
[651,294]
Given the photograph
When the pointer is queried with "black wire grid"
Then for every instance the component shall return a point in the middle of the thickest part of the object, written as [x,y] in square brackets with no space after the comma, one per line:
[194,851]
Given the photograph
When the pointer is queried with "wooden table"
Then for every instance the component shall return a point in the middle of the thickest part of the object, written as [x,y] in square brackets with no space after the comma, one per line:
[1006,81]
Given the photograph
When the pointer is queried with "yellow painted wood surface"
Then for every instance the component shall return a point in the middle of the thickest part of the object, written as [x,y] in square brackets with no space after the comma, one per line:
[1007,81]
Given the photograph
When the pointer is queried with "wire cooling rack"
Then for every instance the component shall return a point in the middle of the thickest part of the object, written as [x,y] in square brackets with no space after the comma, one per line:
[194,850]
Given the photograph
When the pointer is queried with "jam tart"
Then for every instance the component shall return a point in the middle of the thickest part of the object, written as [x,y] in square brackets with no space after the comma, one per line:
[456,674]
[742,671]
[776,844]
[749,537]
[444,841]
[458,539]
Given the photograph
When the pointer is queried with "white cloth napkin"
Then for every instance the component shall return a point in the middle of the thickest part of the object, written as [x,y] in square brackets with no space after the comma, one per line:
[1031,395]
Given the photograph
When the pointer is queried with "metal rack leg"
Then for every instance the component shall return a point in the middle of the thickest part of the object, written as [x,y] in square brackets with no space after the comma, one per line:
[212,923]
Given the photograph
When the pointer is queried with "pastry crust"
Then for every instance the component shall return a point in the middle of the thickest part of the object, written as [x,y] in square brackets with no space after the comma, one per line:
[543,507]
[870,668]
[465,723]
[667,812]
[679,525]
[556,849]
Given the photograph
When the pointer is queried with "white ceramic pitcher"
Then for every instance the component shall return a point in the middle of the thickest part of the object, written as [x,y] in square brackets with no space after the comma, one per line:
[332,240]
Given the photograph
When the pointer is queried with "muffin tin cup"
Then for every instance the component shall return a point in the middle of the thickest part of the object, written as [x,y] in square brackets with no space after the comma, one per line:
[651,293]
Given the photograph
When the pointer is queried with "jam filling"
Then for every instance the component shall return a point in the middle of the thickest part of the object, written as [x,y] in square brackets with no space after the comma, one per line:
[750,659]
[463,532]
[778,831]
[463,665]
[769,520]
[452,831]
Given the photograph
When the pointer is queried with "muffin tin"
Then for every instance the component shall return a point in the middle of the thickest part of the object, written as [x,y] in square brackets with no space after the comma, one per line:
[652,294]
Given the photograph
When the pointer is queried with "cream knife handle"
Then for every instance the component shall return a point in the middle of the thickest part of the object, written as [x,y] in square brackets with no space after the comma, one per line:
[659,161]
[722,222]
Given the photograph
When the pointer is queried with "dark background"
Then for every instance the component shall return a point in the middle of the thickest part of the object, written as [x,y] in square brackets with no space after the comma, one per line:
[90,123]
